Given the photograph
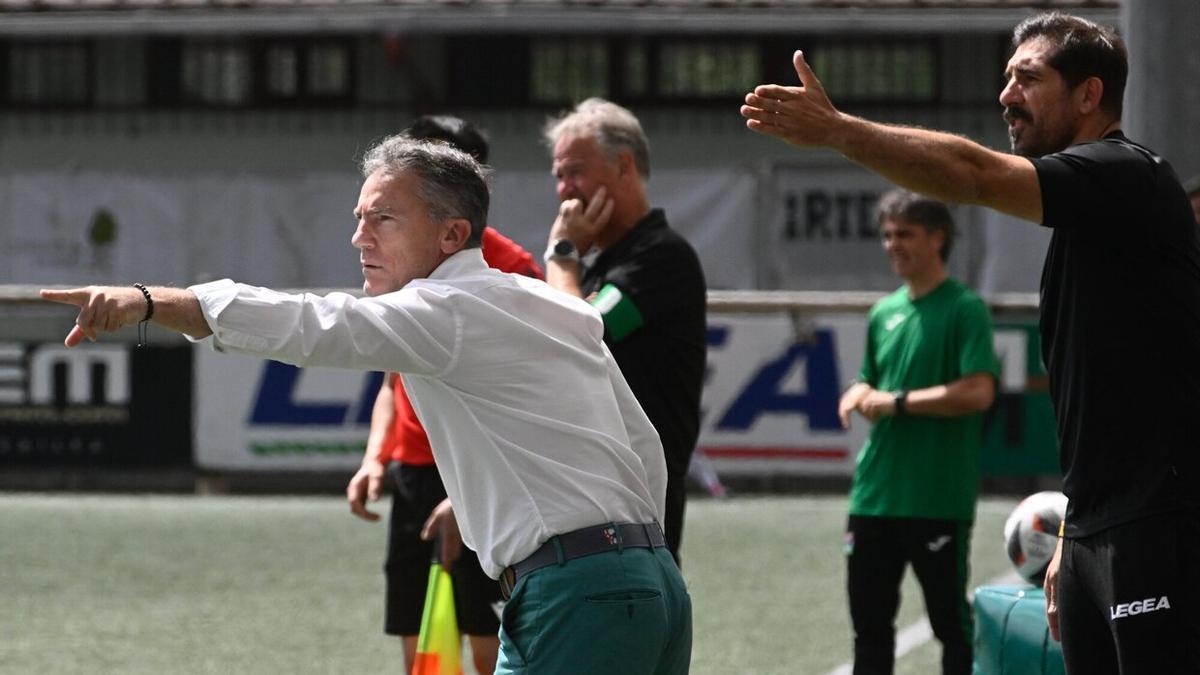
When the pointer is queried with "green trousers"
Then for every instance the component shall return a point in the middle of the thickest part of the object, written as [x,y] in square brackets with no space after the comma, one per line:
[621,613]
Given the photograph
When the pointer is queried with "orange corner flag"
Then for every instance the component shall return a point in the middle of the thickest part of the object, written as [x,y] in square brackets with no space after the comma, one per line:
[438,645]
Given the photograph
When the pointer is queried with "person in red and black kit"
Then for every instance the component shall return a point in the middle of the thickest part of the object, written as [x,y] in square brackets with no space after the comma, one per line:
[398,451]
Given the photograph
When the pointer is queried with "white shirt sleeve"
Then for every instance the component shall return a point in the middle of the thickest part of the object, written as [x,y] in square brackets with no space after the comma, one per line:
[414,330]
[643,437]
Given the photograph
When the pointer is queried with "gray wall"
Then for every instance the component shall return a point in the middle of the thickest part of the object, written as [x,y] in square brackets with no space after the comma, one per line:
[1162,99]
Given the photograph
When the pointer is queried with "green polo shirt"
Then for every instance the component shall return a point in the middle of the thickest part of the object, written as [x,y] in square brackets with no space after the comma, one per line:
[918,466]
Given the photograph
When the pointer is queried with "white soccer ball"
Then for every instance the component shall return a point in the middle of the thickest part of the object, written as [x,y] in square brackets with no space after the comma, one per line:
[1031,533]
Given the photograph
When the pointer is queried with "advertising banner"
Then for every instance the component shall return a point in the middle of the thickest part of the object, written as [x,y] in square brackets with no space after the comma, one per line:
[778,226]
[264,415]
[1020,436]
[771,395]
[819,231]
[769,403]
[97,405]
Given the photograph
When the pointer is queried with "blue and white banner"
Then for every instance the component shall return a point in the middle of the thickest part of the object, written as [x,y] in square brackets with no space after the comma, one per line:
[771,395]
[264,415]
[770,403]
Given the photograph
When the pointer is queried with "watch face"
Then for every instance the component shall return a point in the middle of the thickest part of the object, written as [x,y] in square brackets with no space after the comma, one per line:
[563,247]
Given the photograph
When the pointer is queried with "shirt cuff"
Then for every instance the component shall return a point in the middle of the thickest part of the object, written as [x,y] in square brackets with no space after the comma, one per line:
[215,297]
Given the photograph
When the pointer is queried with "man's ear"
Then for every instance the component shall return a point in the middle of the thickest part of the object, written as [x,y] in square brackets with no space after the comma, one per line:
[939,238]
[455,235]
[626,167]
[1088,95]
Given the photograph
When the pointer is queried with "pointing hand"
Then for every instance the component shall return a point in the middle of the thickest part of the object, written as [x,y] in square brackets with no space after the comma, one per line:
[102,309]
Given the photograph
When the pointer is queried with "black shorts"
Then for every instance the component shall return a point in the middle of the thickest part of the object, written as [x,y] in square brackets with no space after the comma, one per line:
[416,490]
[1129,598]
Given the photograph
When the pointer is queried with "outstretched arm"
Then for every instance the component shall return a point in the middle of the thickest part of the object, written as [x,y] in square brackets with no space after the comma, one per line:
[941,165]
[412,332]
[105,309]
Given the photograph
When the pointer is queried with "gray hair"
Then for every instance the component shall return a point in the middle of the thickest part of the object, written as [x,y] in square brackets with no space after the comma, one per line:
[452,183]
[614,128]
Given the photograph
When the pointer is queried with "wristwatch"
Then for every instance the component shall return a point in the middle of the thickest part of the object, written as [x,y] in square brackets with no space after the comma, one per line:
[900,401]
[561,249]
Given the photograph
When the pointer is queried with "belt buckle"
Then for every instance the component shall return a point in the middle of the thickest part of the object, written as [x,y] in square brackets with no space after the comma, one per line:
[508,579]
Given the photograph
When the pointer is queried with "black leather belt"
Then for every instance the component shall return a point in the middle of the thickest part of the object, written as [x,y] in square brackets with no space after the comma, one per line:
[580,543]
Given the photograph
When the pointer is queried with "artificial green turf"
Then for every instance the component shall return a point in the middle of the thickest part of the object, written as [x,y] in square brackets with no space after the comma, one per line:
[131,585]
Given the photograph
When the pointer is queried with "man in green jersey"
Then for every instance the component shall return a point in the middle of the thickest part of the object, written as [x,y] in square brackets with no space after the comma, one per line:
[929,371]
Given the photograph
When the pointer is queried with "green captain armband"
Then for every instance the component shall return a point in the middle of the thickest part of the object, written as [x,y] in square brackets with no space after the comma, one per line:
[621,316]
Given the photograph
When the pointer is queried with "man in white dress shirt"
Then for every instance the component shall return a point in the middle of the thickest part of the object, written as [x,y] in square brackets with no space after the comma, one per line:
[555,474]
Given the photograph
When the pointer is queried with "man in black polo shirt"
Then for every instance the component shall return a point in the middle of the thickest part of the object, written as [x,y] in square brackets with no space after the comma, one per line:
[646,280]
[1120,322]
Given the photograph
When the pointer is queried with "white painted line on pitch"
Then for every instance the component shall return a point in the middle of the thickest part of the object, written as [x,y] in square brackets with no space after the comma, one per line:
[914,635]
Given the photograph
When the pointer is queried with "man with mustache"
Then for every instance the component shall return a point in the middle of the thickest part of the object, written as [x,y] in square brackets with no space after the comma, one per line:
[1120,323]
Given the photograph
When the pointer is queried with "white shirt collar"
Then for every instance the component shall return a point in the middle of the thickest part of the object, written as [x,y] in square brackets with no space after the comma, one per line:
[462,263]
